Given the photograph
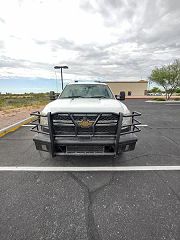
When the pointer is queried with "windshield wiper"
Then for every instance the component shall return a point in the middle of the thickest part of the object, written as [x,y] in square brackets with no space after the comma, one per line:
[73,97]
[98,97]
[77,97]
[85,97]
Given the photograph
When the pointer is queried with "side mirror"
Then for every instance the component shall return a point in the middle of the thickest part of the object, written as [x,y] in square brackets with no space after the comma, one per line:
[52,95]
[122,96]
[117,97]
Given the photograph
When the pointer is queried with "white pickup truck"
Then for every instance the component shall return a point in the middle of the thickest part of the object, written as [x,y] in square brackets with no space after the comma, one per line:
[86,119]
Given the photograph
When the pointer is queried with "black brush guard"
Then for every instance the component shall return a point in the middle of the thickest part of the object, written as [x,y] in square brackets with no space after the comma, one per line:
[65,136]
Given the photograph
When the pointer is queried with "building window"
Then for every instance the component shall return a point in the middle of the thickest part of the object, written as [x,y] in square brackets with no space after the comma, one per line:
[129,93]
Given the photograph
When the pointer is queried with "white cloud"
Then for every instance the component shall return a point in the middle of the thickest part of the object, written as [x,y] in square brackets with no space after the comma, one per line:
[100,39]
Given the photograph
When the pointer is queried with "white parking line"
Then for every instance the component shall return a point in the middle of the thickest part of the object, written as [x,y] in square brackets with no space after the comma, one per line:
[142,125]
[89,169]
[28,125]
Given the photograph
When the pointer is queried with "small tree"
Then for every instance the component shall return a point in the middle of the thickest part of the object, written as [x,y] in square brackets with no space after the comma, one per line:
[167,76]
[178,90]
[155,90]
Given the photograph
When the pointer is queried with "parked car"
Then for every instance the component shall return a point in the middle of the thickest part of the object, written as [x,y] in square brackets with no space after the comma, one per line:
[86,119]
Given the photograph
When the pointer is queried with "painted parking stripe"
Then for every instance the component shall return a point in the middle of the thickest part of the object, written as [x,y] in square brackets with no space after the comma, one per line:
[28,125]
[88,169]
[142,125]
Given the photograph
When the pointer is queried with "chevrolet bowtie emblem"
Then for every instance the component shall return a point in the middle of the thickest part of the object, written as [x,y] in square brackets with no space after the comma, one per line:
[85,123]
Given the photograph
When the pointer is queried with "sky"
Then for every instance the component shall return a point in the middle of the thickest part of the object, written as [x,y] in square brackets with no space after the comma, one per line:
[118,40]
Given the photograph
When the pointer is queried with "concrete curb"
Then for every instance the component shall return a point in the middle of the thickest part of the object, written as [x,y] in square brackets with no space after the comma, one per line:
[153,101]
[15,126]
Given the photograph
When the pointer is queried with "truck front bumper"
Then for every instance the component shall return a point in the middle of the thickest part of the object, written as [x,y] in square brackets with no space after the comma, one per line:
[85,145]
[99,134]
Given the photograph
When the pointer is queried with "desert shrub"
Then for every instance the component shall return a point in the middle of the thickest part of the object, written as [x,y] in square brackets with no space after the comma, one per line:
[9,101]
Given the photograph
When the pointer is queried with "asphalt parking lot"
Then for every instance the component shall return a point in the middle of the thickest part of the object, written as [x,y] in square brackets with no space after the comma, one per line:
[95,205]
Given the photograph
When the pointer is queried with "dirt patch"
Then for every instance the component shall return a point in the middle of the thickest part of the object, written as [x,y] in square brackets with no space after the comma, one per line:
[10,116]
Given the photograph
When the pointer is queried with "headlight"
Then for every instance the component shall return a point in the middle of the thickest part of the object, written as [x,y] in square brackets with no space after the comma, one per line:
[126,121]
[43,121]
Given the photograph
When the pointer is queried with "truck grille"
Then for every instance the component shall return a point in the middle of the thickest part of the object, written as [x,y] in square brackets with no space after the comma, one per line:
[85,149]
[85,124]
[80,116]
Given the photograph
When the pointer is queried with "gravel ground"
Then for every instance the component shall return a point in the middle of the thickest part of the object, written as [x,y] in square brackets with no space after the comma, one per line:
[11,116]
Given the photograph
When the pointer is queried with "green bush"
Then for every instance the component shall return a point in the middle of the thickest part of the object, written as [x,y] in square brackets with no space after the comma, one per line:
[178,90]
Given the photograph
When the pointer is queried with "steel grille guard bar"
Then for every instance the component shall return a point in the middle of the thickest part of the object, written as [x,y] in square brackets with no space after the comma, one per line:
[133,126]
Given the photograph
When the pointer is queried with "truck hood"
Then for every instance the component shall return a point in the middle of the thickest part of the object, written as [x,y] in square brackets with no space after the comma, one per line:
[85,105]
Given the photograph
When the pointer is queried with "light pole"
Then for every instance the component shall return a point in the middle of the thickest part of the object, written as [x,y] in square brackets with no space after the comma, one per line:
[61,67]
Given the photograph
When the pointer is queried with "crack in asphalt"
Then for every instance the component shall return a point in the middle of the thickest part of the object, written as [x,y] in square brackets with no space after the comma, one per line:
[166,183]
[90,196]
[92,228]
[148,155]
[93,233]
[170,140]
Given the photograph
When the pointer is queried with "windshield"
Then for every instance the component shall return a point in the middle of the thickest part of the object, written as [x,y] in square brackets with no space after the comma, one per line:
[87,91]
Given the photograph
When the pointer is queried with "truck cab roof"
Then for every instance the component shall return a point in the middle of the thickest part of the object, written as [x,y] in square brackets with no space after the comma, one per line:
[87,82]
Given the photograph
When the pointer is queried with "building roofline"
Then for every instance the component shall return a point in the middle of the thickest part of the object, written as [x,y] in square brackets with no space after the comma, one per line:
[140,81]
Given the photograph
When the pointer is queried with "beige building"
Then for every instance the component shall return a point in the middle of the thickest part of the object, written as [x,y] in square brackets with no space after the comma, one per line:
[133,88]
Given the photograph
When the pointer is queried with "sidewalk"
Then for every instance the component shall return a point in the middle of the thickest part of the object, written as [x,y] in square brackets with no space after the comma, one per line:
[150,97]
